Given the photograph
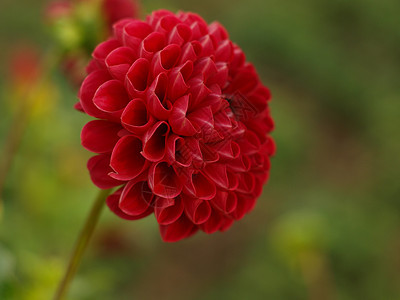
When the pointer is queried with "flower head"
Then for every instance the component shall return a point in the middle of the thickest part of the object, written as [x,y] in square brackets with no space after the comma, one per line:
[182,124]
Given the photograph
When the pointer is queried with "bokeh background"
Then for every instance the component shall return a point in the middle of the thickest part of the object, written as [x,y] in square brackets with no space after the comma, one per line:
[327,225]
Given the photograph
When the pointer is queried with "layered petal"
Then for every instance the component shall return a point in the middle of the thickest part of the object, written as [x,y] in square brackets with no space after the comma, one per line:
[164,181]
[136,198]
[197,210]
[88,88]
[155,142]
[113,204]
[100,136]
[111,97]
[99,168]
[126,158]
[167,211]
[224,201]
[136,117]
[178,120]
[180,229]
[156,98]
[119,61]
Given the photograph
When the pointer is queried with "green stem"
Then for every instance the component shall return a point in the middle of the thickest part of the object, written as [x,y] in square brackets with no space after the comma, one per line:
[81,244]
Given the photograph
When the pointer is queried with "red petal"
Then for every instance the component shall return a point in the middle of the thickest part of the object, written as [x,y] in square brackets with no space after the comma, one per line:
[240,164]
[204,68]
[259,186]
[244,204]
[154,42]
[246,183]
[226,202]
[217,173]
[156,95]
[99,168]
[93,65]
[178,152]
[177,86]
[226,224]
[178,230]
[245,81]
[166,23]
[224,52]
[111,97]
[137,76]
[197,210]
[233,179]
[223,124]
[100,136]
[113,204]
[135,117]
[238,59]
[118,28]
[178,121]
[220,77]
[213,223]
[198,90]
[87,91]
[136,198]
[216,30]
[209,153]
[165,59]
[203,120]
[192,148]
[250,143]
[259,98]
[126,159]
[199,186]
[155,16]
[180,34]
[198,28]
[188,53]
[185,69]
[228,149]
[134,32]
[167,211]
[163,180]
[155,142]
[103,49]
[78,106]
[261,128]
[271,146]
[119,61]
[207,45]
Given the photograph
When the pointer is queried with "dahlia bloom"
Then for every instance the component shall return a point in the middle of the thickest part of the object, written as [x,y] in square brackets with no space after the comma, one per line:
[182,124]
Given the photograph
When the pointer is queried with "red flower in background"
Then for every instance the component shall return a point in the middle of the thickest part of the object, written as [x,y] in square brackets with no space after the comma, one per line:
[25,66]
[80,25]
[112,10]
[183,124]
[115,10]
[58,9]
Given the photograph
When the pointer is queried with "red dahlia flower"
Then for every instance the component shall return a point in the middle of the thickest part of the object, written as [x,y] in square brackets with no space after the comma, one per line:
[183,124]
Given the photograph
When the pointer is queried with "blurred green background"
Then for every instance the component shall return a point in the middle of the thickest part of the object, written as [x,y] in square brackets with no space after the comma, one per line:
[327,225]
